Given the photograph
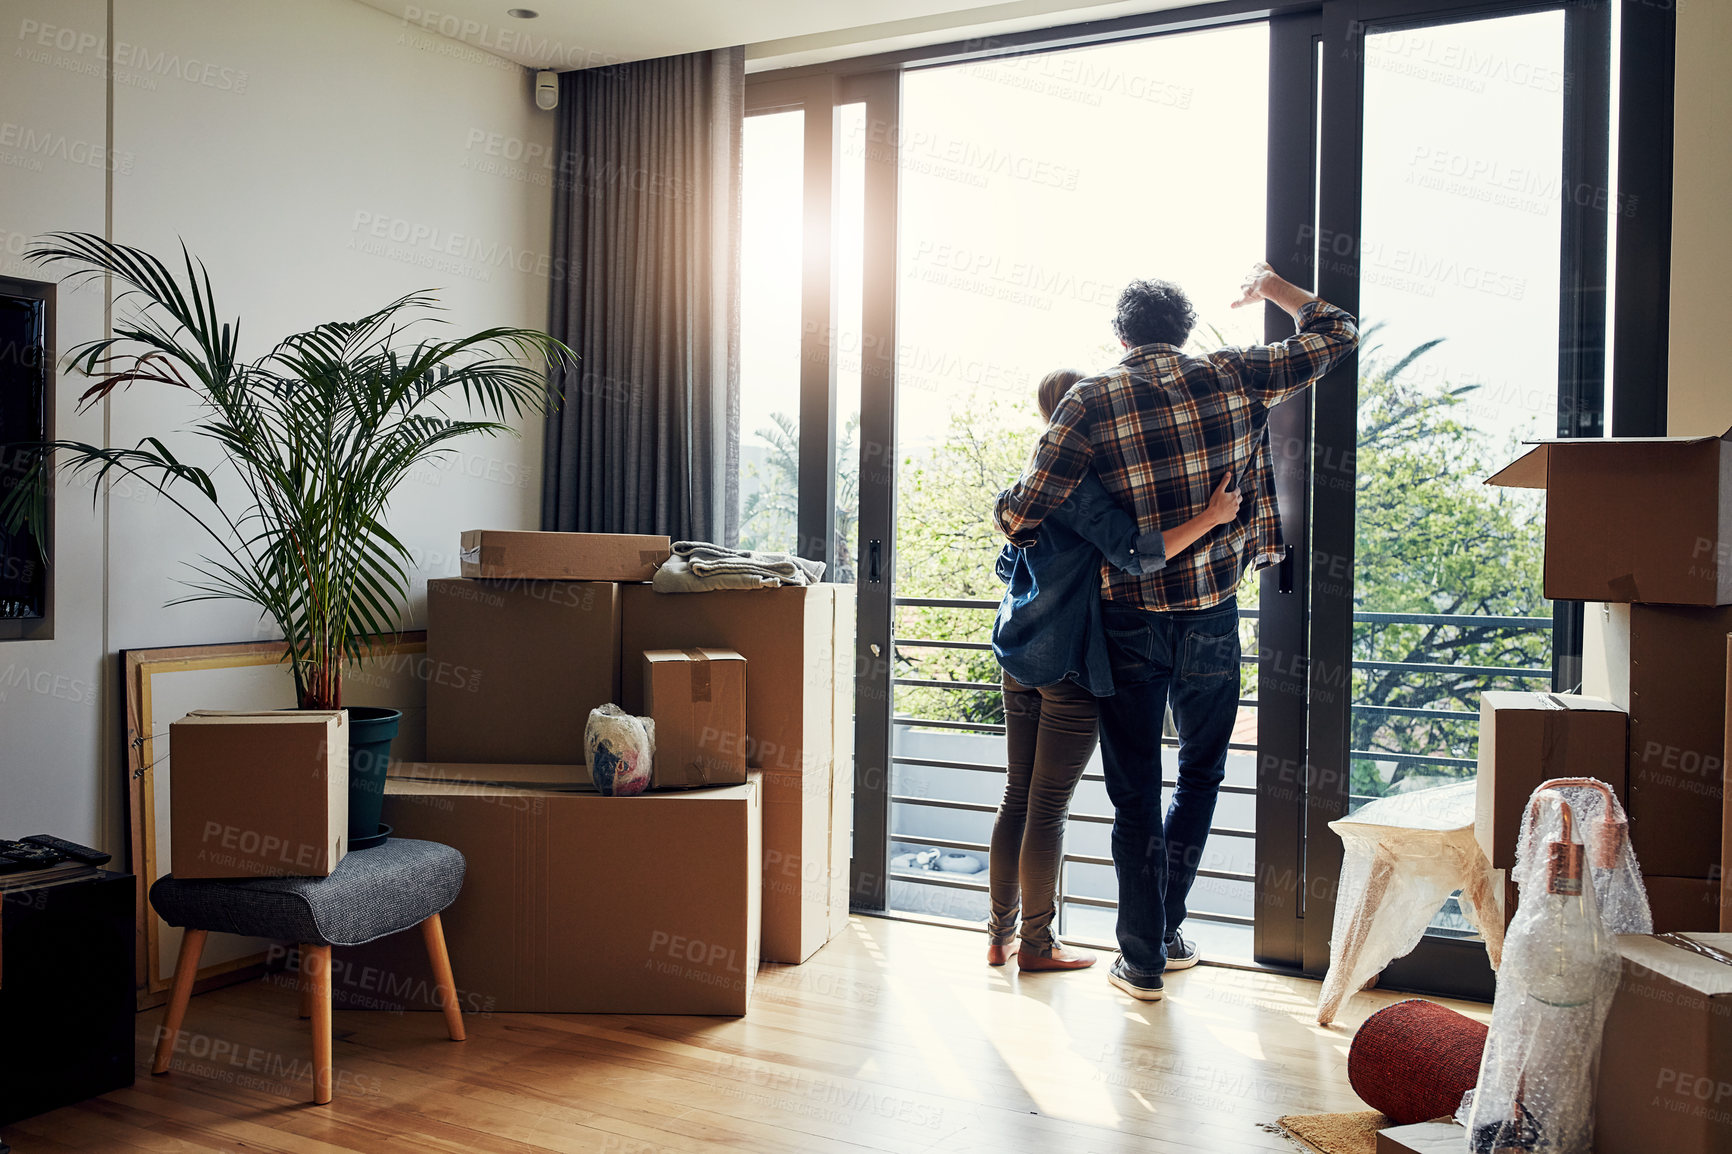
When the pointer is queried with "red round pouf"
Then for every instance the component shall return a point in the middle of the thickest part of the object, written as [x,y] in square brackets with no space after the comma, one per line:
[1414,1060]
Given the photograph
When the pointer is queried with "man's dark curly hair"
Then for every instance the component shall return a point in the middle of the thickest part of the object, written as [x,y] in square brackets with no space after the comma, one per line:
[1154,312]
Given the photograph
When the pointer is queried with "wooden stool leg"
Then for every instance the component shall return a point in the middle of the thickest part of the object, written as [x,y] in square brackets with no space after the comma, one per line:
[433,933]
[317,963]
[185,974]
[303,983]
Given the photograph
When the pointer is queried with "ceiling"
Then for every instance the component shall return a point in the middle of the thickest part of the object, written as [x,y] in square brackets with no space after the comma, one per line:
[779,33]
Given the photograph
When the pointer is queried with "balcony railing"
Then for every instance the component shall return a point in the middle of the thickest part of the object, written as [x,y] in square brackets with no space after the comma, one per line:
[978,884]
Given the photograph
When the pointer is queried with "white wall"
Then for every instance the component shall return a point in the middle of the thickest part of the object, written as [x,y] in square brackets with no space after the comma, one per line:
[1700,393]
[321,161]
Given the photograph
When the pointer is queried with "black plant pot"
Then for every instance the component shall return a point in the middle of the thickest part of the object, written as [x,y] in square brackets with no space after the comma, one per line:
[371,731]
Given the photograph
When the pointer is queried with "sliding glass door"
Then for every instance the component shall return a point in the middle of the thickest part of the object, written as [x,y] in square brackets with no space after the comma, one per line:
[967,217]
[1034,188]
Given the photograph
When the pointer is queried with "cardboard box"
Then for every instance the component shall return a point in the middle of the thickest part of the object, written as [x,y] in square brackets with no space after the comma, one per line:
[1606,653]
[697,698]
[1683,905]
[1725,818]
[258,794]
[808,823]
[499,554]
[1528,738]
[1633,519]
[1423,1138]
[1678,667]
[514,667]
[578,903]
[1665,1080]
[799,651]
[522,776]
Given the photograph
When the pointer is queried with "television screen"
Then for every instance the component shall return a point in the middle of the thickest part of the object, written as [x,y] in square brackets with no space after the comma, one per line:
[23,419]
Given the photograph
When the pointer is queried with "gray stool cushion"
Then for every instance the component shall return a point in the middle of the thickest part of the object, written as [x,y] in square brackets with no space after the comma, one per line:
[371,893]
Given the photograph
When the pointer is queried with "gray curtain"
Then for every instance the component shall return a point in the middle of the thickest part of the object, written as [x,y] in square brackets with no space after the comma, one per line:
[646,264]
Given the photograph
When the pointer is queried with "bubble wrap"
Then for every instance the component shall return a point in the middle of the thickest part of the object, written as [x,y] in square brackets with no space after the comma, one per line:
[1402,856]
[621,751]
[1560,969]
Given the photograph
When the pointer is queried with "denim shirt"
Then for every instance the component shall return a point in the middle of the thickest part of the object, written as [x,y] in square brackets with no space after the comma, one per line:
[1048,627]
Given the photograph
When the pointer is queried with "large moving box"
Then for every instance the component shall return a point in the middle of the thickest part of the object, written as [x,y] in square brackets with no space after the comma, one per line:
[1666,1054]
[498,555]
[259,794]
[562,777]
[516,666]
[1528,738]
[1683,905]
[578,903]
[1677,704]
[1635,519]
[798,646]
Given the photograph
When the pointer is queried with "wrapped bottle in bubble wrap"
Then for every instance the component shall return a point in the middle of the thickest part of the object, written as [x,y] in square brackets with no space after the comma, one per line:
[621,750]
[1579,887]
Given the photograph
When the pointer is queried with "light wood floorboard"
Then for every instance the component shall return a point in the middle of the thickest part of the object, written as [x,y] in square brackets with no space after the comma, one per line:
[896,1037]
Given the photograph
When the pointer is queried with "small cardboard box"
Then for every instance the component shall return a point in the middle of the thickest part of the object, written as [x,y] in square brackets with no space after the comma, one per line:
[577,903]
[258,794]
[798,643]
[1678,668]
[697,698]
[1527,738]
[1634,519]
[1423,1138]
[514,667]
[499,554]
[1665,1080]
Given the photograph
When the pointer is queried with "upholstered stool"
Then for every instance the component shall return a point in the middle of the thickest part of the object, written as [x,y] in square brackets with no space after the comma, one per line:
[371,894]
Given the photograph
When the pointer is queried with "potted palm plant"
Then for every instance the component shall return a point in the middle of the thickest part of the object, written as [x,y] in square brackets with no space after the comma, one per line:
[316,435]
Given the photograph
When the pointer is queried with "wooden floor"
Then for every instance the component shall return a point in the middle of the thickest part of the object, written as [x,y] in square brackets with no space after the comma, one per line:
[896,1037]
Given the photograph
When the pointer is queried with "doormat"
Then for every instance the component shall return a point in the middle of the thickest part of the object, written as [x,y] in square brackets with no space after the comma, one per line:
[1354,1133]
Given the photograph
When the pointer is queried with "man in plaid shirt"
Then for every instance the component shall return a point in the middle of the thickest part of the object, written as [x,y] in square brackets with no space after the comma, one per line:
[1161,429]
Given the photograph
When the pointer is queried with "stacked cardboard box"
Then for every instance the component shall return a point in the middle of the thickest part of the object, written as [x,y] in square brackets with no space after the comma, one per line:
[1665,1080]
[733,679]
[1640,526]
[577,903]
[799,732]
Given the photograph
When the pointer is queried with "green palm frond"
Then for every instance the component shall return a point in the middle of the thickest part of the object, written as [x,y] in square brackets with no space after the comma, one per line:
[319,433]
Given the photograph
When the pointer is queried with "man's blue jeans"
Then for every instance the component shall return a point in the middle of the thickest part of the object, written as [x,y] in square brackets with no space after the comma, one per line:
[1193,657]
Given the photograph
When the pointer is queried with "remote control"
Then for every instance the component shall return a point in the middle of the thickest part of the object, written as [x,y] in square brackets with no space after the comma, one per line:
[33,857]
[71,849]
[7,865]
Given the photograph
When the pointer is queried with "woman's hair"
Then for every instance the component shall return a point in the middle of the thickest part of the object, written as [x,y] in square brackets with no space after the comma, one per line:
[1052,389]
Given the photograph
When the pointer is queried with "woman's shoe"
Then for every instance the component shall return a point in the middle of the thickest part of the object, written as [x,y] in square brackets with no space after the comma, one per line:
[997,953]
[1059,959]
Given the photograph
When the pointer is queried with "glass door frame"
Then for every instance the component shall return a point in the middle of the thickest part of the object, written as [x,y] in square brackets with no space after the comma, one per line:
[1298,936]
[1316,127]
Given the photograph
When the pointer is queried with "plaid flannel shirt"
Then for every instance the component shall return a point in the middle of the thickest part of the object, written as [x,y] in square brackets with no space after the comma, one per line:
[1161,429]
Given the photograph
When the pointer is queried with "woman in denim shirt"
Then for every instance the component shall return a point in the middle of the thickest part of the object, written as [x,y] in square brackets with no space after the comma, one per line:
[1048,639]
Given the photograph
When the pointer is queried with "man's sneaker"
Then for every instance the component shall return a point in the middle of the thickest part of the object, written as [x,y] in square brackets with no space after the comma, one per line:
[1142,989]
[1181,955]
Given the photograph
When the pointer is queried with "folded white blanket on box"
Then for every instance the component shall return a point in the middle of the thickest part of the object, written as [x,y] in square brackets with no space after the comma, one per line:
[699,566]
[675,576]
